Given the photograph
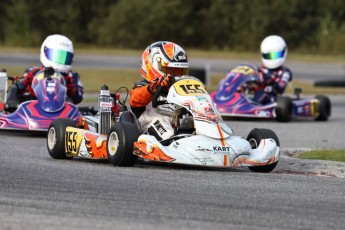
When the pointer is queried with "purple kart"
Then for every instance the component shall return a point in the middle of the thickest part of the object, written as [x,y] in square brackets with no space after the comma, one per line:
[234,99]
[38,113]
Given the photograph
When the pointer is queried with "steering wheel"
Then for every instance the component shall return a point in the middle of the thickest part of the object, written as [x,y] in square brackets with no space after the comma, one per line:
[161,91]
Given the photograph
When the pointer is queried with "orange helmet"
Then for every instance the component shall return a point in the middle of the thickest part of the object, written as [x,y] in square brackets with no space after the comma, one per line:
[161,58]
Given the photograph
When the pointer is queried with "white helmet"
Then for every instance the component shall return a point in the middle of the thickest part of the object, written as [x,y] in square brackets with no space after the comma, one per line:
[274,51]
[57,52]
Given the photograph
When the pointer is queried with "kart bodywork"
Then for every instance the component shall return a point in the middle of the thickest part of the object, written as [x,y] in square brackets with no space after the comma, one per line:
[36,114]
[201,136]
[235,92]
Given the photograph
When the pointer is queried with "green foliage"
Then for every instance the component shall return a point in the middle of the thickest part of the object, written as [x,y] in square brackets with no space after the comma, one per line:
[311,26]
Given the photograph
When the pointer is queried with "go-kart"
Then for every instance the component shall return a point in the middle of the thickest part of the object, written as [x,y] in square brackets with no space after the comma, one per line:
[23,112]
[235,92]
[201,136]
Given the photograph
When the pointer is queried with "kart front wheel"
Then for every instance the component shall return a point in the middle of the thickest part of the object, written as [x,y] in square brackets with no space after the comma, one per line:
[56,137]
[120,143]
[254,138]
[324,108]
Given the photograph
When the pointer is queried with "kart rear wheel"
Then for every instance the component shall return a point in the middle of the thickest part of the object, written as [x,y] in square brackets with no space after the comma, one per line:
[324,108]
[56,137]
[254,138]
[120,143]
[284,109]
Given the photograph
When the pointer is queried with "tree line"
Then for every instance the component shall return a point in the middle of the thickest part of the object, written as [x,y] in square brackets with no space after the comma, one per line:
[313,26]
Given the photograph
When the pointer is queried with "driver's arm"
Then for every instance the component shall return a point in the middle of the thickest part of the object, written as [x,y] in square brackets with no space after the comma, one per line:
[25,82]
[140,96]
[142,92]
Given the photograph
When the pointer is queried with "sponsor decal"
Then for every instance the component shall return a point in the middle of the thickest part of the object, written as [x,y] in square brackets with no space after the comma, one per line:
[50,89]
[300,110]
[106,104]
[221,149]
[159,127]
[204,160]
[203,149]
[262,113]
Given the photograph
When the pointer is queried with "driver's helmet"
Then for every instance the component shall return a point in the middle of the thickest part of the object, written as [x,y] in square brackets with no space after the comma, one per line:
[57,52]
[161,58]
[274,51]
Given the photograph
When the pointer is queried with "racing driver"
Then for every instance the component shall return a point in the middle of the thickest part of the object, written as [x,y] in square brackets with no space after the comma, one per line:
[160,63]
[56,52]
[274,75]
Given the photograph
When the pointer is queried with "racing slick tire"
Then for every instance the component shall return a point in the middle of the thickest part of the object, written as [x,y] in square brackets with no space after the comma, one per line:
[120,142]
[56,137]
[324,108]
[254,138]
[284,109]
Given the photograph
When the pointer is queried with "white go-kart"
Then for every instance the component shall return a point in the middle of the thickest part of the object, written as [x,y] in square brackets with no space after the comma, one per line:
[201,136]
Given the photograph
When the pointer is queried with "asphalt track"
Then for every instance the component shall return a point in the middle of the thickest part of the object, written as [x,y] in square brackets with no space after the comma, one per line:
[38,192]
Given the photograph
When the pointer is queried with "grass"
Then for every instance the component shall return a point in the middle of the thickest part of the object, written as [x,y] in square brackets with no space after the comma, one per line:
[93,79]
[330,155]
[192,53]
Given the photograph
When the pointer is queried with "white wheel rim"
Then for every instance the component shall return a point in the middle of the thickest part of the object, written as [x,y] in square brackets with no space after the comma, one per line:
[51,138]
[113,143]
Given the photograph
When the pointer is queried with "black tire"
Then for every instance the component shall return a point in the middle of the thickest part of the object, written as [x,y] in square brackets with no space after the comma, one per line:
[284,109]
[324,108]
[128,116]
[56,137]
[254,137]
[120,143]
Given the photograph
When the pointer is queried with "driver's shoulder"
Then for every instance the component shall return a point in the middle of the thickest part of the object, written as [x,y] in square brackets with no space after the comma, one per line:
[33,69]
[141,83]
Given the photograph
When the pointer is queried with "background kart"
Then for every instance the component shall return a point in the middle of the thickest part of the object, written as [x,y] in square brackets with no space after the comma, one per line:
[22,112]
[201,136]
[234,99]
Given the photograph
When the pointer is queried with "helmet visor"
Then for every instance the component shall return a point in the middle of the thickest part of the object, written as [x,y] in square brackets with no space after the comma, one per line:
[274,55]
[174,71]
[62,57]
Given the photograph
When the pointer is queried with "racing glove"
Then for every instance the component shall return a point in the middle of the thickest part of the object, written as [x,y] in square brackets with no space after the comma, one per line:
[70,84]
[165,81]
[28,77]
